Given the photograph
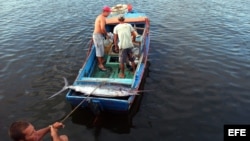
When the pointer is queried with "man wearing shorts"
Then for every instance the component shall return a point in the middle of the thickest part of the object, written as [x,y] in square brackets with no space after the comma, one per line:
[123,32]
[99,32]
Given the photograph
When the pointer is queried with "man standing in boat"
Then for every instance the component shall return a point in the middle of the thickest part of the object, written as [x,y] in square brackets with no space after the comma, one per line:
[123,32]
[25,131]
[98,34]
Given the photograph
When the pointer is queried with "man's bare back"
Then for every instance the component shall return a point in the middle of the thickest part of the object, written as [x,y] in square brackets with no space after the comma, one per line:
[100,24]
[98,34]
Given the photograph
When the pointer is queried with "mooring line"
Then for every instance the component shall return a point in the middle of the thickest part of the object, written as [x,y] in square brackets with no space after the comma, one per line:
[67,116]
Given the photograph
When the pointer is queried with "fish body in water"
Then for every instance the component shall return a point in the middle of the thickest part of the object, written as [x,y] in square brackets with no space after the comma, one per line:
[104,91]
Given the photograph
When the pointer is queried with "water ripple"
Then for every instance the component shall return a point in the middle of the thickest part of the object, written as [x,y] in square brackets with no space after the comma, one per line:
[199,72]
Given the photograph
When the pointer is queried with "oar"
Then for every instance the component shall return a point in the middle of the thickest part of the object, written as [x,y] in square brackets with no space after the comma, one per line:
[81,102]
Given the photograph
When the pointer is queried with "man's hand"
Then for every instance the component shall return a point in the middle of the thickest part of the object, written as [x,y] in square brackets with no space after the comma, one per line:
[57,125]
[107,36]
[53,133]
[116,48]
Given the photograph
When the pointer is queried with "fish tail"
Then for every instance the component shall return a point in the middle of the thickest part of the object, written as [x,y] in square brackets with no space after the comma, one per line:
[63,89]
[66,83]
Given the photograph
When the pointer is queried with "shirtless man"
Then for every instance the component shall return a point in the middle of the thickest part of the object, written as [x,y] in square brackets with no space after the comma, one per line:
[98,34]
[25,131]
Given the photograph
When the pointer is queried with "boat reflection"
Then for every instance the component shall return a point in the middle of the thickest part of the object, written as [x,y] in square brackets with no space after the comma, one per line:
[118,123]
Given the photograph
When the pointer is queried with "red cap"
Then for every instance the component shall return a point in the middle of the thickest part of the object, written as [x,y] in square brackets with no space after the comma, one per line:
[106,9]
[129,7]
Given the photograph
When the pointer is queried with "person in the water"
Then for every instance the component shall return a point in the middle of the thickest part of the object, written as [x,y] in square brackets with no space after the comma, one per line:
[25,131]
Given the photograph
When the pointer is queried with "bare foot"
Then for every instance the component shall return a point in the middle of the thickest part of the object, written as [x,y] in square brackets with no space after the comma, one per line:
[102,68]
[121,75]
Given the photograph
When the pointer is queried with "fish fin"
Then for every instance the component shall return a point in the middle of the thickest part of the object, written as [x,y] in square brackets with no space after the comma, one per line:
[63,89]
[134,94]
[66,84]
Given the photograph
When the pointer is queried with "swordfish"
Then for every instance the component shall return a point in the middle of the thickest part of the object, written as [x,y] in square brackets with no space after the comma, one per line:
[98,90]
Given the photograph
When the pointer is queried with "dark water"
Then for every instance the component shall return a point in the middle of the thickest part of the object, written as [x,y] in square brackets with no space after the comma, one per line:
[200,62]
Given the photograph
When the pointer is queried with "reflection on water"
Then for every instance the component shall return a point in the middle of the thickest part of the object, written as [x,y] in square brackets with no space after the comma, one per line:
[199,69]
[116,123]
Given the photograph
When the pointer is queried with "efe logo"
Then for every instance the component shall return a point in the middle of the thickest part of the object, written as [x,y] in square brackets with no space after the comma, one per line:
[236,132]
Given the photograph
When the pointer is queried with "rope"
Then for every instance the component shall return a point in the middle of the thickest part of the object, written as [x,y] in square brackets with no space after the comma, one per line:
[66,117]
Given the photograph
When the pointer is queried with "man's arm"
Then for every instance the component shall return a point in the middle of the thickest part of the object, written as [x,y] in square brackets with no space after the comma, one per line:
[102,25]
[134,34]
[54,134]
[42,132]
[116,41]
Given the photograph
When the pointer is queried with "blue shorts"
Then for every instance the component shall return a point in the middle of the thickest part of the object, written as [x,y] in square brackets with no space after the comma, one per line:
[124,54]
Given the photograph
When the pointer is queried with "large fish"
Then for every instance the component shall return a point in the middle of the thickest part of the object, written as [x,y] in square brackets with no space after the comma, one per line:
[99,90]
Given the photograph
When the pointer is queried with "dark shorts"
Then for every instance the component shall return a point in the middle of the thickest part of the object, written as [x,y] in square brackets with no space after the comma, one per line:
[124,54]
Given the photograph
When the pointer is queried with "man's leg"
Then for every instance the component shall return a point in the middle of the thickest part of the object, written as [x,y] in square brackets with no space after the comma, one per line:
[122,59]
[100,62]
[99,51]
[133,66]
[121,75]
[131,58]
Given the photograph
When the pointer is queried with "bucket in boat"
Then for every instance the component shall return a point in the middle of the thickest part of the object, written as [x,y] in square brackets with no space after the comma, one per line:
[107,46]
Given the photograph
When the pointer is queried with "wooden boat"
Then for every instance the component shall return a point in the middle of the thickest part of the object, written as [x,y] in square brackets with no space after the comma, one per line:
[90,74]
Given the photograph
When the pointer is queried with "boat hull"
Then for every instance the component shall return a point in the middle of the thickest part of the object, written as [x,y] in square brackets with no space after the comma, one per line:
[97,104]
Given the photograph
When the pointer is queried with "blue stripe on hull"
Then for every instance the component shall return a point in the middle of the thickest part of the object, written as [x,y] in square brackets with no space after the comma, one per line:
[103,104]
